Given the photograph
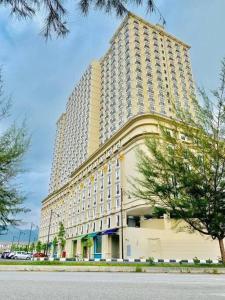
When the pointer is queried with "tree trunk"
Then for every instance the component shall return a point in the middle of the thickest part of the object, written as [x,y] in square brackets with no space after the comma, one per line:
[222,250]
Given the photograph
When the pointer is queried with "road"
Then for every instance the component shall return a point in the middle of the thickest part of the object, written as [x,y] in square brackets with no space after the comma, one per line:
[109,286]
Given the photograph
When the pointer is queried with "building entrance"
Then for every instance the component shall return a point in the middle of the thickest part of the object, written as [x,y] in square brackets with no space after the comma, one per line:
[98,246]
[115,246]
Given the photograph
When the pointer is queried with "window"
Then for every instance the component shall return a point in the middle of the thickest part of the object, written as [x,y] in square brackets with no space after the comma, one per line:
[117,188]
[109,193]
[102,183]
[117,220]
[117,202]
[117,174]
[109,179]
[109,222]
[117,162]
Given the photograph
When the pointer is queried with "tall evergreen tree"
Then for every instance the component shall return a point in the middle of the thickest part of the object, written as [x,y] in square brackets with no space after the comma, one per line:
[13,145]
[182,170]
[61,236]
[38,246]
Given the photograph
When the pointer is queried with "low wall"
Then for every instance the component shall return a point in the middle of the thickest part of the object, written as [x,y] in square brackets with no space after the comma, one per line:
[159,239]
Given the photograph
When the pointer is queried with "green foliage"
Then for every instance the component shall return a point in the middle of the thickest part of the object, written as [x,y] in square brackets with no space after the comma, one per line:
[61,235]
[39,246]
[13,146]
[44,247]
[54,243]
[158,212]
[63,243]
[61,232]
[196,260]
[89,243]
[209,261]
[182,171]
[138,269]
[151,261]
[56,13]
[32,247]
[25,248]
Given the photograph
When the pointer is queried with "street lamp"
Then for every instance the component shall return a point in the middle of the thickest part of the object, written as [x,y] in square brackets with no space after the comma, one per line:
[18,242]
[31,227]
[121,216]
[11,248]
[49,227]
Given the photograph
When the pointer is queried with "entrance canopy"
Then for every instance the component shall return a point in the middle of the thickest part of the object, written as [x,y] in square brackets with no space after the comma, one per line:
[110,231]
[80,237]
[92,235]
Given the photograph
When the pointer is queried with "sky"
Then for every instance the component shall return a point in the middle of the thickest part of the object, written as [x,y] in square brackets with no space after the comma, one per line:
[40,75]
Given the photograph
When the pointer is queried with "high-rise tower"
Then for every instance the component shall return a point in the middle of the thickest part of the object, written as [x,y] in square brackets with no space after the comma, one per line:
[145,70]
[77,135]
[135,88]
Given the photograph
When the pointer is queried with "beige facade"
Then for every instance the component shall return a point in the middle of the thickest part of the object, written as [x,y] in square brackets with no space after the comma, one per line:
[77,133]
[133,89]
[145,70]
[90,204]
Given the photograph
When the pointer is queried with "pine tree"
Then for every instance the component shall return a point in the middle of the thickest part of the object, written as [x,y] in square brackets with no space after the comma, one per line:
[38,246]
[56,13]
[183,169]
[61,236]
[13,145]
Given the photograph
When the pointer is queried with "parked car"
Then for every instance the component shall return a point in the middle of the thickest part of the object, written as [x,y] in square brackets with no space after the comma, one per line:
[5,254]
[22,255]
[10,255]
[39,254]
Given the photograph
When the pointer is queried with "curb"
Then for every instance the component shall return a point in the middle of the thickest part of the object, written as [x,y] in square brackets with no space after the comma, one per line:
[131,260]
[127,269]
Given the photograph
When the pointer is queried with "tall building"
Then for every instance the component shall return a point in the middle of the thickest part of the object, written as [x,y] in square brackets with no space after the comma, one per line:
[145,70]
[77,135]
[139,84]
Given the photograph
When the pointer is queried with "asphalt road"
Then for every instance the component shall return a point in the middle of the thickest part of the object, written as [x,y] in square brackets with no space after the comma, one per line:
[104,286]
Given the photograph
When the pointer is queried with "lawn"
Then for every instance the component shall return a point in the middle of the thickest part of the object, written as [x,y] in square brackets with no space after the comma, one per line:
[108,264]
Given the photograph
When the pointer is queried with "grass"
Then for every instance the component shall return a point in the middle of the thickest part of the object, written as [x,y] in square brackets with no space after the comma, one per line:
[109,264]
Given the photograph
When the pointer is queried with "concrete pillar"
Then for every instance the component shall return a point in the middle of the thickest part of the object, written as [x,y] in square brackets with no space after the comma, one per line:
[105,246]
[120,242]
[69,248]
[79,248]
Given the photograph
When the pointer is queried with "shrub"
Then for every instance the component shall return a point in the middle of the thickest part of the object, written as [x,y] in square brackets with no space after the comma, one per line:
[196,260]
[209,261]
[151,260]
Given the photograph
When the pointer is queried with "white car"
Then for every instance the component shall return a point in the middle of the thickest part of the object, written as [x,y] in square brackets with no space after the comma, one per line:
[22,255]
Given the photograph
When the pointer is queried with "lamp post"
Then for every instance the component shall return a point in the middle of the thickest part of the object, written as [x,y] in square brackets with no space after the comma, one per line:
[121,216]
[19,238]
[35,238]
[31,226]
[49,227]
[12,244]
